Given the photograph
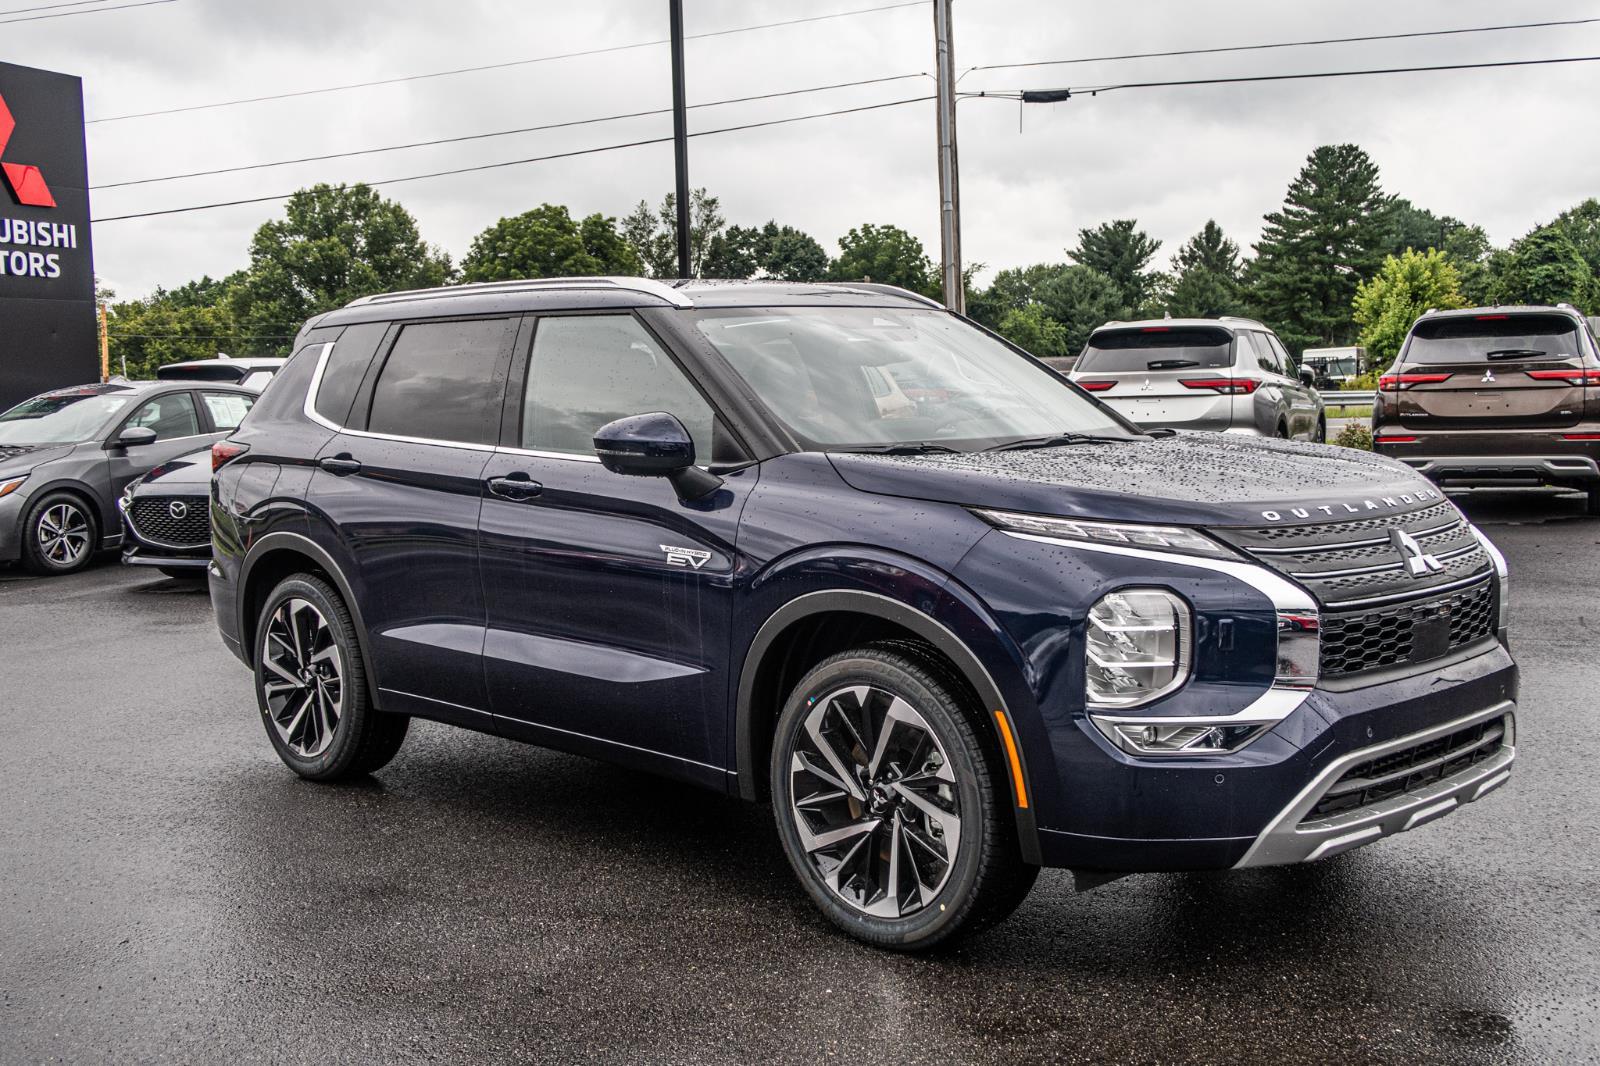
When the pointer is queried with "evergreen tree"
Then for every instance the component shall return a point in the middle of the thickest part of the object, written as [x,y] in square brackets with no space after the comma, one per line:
[1082,299]
[1545,267]
[1122,252]
[1314,251]
[1207,276]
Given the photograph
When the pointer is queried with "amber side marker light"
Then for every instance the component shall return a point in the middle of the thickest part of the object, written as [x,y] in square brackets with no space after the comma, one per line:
[1013,758]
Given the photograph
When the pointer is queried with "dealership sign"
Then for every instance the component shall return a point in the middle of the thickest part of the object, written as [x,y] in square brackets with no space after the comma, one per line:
[47,311]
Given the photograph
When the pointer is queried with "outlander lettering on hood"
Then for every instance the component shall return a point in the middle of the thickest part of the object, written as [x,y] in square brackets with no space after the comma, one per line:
[1333,510]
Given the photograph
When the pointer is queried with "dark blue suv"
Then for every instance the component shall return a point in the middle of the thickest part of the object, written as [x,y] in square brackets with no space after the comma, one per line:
[835,546]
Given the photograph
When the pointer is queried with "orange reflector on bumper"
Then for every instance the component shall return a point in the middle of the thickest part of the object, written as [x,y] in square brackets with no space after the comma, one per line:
[1015,759]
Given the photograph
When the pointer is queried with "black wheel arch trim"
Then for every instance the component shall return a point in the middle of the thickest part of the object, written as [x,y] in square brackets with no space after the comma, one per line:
[750,775]
[303,545]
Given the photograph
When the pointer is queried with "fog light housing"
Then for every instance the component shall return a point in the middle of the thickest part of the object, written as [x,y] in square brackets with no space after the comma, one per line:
[1180,736]
[1137,647]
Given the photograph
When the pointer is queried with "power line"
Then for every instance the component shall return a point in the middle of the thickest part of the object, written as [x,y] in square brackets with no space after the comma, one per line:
[90,11]
[499,66]
[1287,44]
[532,159]
[1063,94]
[51,7]
[499,133]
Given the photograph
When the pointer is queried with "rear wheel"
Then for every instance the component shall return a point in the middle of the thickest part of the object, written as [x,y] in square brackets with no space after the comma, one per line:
[182,573]
[311,686]
[1283,431]
[60,535]
[1593,507]
[891,808]
[1322,430]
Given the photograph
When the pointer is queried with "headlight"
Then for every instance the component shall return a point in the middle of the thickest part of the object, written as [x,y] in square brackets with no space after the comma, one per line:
[1137,647]
[1122,534]
[8,487]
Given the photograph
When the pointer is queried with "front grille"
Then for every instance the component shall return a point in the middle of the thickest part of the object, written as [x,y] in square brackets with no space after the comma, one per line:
[1410,768]
[1439,512]
[152,518]
[1412,632]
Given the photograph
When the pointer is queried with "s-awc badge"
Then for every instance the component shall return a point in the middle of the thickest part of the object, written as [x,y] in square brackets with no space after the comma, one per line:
[693,558]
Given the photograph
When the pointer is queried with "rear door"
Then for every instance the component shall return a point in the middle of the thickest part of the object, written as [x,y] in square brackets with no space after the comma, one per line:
[1493,371]
[1300,399]
[399,486]
[1163,376]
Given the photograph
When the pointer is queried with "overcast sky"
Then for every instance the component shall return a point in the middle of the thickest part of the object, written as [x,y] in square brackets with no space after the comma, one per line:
[1503,148]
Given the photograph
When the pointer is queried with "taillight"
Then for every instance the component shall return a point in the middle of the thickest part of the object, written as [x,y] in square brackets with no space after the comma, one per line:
[1396,382]
[1097,386]
[224,452]
[1225,386]
[1571,377]
[1394,439]
[1580,436]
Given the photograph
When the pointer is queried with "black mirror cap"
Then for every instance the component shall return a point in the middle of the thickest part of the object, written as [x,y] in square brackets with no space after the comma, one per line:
[135,437]
[649,445]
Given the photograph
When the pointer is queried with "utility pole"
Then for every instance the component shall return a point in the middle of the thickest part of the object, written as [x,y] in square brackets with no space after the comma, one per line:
[680,135]
[105,345]
[955,293]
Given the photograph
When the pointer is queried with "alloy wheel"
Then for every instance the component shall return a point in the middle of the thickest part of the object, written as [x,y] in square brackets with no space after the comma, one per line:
[303,677]
[63,534]
[874,799]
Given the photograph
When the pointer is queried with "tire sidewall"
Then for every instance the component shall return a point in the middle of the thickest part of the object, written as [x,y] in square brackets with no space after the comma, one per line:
[34,550]
[946,911]
[347,733]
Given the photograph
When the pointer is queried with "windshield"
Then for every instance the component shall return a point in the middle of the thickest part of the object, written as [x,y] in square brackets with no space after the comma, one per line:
[1156,348]
[1482,338]
[59,418]
[858,377]
[1330,365]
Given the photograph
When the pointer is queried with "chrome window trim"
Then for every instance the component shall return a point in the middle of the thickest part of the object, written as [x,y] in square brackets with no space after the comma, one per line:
[1281,698]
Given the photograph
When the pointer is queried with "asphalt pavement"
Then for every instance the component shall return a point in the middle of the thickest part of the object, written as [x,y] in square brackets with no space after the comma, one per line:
[169,892]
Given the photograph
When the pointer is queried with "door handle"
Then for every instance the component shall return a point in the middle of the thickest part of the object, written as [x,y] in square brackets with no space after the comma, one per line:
[515,487]
[340,465]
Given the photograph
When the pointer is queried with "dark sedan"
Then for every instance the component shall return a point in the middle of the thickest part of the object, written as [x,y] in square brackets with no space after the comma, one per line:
[66,456]
[167,519]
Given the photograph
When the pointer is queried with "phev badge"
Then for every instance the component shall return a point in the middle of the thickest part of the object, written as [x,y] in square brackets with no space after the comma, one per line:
[693,558]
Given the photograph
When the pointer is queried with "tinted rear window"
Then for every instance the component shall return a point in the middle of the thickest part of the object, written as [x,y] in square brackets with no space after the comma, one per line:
[1157,348]
[444,381]
[200,373]
[1487,338]
[347,365]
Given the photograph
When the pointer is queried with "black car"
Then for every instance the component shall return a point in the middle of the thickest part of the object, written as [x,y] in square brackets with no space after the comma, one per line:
[836,546]
[66,456]
[167,517]
[252,373]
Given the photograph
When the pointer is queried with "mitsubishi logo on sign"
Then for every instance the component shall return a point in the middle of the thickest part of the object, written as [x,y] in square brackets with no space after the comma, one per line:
[23,180]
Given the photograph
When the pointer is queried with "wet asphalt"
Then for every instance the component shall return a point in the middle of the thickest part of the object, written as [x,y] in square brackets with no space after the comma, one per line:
[169,892]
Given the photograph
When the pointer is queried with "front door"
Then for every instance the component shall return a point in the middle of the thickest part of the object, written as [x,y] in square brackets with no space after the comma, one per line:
[401,484]
[609,600]
[178,429]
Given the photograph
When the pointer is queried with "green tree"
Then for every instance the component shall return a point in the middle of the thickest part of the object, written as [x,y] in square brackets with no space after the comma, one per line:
[1545,267]
[1388,303]
[772,251]
[334,244]
[654,234]
[885,254]
[1315,250]
[1082,299]
[1122,252]
[1410,226]
[547,243]
[1207,276]
[1011,290]
[1032,329]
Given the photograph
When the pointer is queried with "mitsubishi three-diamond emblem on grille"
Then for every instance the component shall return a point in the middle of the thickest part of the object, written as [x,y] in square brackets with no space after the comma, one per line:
[1418,562]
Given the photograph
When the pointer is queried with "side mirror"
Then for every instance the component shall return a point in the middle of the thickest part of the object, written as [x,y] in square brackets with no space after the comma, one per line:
[135,437]
[1308,377]
[654,445]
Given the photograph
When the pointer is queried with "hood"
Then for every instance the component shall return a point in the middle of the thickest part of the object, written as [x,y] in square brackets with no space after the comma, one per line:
[1196,479]
[190,472]
[16,459]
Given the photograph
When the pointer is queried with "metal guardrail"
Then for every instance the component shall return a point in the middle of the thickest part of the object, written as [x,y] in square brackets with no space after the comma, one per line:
[1348,398]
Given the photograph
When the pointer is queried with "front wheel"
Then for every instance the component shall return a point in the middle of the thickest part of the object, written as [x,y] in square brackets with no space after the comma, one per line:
[892,808]
[311,685]
[1321,436]
[60,535]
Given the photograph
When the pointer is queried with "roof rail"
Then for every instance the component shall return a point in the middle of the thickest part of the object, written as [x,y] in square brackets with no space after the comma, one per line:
[645,286]
[882,289]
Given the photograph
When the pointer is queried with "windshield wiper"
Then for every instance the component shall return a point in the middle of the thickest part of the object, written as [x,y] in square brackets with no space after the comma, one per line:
[1171,364]
[1514,353]
[1055,440]
[918,447]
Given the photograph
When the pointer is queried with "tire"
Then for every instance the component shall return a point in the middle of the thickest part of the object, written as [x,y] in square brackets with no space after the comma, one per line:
[1322,431]
[311,686]
[60,535]
[1282,432]
[1593,501]
[837,839]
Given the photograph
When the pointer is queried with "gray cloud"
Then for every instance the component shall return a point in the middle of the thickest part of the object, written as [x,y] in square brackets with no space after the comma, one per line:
[1506,149]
